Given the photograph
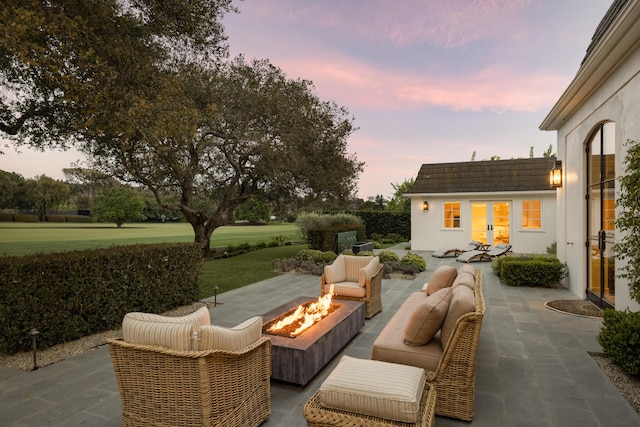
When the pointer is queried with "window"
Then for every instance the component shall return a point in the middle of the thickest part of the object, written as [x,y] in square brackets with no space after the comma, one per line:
[531,214]
[452,215]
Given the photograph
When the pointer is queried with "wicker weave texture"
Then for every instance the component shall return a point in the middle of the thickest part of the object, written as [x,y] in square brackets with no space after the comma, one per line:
[373,293]
[455,376]
[162,387]
[318,416]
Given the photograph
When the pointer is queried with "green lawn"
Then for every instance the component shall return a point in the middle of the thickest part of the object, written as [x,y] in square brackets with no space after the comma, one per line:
[242,270]
[226,273]
[18,238]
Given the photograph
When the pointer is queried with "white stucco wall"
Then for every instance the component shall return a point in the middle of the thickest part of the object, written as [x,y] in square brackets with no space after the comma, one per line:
[428,232]
[616,100]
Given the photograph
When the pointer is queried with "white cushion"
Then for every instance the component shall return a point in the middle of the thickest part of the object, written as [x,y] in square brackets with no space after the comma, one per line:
[368,270]
[212,337]
[176,336]
[336,272]
[371,387]
[354,264]
[347,289]
[174,332]
[197,318]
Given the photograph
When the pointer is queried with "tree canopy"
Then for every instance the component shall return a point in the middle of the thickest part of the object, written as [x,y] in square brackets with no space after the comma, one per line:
[118,205]
[74,69]
[241,129]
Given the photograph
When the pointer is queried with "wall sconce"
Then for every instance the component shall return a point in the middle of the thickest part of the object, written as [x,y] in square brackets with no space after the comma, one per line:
[425,206]
[555,176]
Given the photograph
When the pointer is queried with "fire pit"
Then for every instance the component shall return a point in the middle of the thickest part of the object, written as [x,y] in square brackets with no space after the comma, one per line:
[298,359]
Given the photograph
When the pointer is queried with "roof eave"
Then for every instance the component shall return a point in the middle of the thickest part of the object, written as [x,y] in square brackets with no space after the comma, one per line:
[616,44]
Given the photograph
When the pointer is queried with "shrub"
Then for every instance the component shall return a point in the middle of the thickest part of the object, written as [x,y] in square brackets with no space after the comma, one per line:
[365,253]
[552,249]
[396,266]
[414,259]
[536,270]
[387,256]
[25,218]
[322,257]
[315,221]
[55,218]
[78,218]
[5,216]
[620,339]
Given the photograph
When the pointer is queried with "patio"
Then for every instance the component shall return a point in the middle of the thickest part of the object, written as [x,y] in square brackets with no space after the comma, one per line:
[532,367]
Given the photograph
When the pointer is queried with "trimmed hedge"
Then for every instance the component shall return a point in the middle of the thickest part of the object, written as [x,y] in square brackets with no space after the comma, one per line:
[620,339]
[324,239]
[5,216]
[530,270]
[69,295]
[78,218]
[385,223]
[55,218]
[25,218]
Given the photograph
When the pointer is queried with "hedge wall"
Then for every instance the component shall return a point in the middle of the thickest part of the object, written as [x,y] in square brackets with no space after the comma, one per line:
[384,223]
[72,294]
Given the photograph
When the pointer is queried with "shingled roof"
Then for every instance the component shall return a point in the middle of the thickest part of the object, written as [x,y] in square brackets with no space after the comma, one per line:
[605,23]
[488,176]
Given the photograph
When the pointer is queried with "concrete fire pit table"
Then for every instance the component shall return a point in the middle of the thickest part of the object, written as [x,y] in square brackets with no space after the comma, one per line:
[297,360]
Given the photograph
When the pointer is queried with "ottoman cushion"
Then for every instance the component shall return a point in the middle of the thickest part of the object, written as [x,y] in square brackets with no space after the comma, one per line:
[371,387]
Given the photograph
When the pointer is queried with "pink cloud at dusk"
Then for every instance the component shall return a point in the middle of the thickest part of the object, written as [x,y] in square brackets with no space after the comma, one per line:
[498,88]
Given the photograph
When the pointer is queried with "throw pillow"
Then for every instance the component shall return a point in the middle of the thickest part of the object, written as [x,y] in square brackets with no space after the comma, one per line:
[442,277]
[462,302]
[427,318]
[466,279]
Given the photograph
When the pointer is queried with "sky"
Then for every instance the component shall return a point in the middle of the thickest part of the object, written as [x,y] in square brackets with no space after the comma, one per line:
[426,81]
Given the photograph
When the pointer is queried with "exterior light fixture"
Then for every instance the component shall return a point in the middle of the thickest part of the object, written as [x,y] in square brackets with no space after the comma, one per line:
[425,206]
[555,176]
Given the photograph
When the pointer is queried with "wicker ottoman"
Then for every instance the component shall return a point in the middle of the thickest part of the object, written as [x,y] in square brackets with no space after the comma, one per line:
[372,393]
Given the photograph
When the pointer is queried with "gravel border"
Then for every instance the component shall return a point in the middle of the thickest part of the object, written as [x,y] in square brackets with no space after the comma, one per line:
[628,386]
[24,361]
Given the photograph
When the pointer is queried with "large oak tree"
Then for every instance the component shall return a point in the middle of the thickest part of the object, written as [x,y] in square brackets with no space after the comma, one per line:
[240,130]
[73,69]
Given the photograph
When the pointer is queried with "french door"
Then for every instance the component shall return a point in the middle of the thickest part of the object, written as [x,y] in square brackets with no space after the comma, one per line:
[601,277]
[491,222]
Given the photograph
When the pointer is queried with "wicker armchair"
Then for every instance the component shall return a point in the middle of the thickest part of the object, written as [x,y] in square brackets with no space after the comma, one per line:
[355,278]
[164,387]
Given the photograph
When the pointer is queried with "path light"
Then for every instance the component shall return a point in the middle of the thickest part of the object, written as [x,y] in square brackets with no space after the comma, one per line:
[215,295]
[555,176]
[34,333]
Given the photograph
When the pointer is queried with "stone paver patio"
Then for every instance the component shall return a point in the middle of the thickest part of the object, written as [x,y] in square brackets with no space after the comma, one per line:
[533,368]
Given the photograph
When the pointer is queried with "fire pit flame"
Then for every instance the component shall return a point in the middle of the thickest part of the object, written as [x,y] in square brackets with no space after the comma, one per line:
[313,313]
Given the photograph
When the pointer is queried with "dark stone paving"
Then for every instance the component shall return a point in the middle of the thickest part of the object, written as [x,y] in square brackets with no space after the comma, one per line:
[533,368]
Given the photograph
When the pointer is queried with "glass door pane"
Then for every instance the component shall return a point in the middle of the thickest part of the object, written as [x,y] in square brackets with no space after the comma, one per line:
[479,221]
[501,222]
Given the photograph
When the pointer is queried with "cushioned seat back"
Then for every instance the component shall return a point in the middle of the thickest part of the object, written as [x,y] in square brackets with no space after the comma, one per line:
[353,264]
[462,302]
[166,331]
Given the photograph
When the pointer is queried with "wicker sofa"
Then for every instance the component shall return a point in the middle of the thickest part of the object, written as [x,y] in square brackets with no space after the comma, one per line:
[182,371]
[355,278]
[449,357]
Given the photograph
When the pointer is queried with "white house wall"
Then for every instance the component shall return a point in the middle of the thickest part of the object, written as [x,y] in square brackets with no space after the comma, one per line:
[428,232]
[618,101]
